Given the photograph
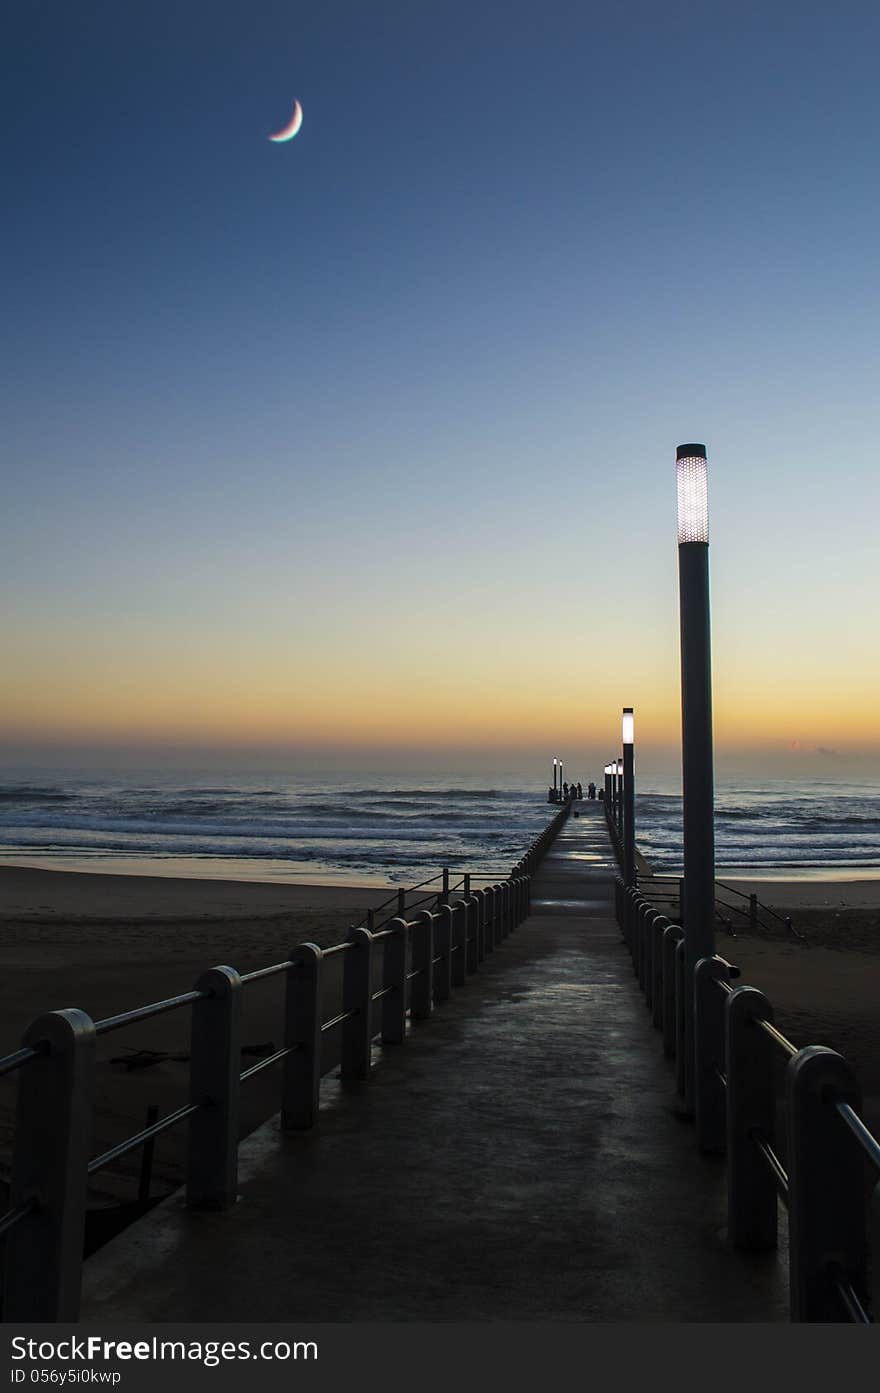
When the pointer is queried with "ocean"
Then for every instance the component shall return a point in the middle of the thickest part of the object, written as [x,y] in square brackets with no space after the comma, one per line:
[390,829]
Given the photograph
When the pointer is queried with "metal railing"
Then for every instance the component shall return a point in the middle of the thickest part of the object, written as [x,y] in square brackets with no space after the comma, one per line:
[744,908]
[388,970]
[814,1160]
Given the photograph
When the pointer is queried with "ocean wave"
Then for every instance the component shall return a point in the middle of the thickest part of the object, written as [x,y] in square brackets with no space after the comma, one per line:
[26,793]
[227,833]
[422,793]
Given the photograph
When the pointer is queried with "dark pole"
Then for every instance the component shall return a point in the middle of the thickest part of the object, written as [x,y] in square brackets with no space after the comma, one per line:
[618,764]
[554,780]
[698,794]
[629,789]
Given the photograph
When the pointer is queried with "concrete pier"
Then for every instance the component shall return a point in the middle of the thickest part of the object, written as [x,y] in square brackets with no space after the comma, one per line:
[520,1157]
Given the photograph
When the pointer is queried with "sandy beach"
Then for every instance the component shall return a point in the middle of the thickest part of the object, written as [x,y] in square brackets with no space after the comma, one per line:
[107,943]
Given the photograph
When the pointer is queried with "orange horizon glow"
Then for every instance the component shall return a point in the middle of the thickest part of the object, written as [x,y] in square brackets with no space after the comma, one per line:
[198,689]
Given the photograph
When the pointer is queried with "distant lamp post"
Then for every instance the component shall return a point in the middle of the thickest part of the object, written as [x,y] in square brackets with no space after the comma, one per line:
[608,788]
[696,728]
[560,781]
[618,765]
[629,826]
[554,779]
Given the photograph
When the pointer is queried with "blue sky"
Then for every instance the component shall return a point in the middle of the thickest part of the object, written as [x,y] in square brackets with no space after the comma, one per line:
[422,371]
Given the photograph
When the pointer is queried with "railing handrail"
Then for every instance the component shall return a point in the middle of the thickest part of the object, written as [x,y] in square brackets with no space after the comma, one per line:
[672,883]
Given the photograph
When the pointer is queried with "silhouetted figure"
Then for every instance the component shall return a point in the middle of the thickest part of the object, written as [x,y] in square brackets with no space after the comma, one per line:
[591,790]
[580,790]
[565,792]
[601,795]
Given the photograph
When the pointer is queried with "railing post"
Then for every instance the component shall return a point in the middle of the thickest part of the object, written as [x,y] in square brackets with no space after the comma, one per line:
[680,1035]
[645,911]
[44,1252]
[301,1079]
[631,939]
[498,906]
[215,1067]
[467,884]
[423,964]
[443,951]
[671,939]
[357,998]
[472,933]
[479,927]
[394,958]
[826,1198]
[489,919]
[710,1104]
[751,1109]
[401,903]
[458,968]
[506,909]
[650,920]
[445,891]
[659,926]
[635,902]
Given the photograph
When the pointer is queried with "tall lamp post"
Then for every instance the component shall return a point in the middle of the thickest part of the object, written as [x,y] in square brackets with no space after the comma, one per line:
[629,827]
[554,779]
[696,728]
[618,765]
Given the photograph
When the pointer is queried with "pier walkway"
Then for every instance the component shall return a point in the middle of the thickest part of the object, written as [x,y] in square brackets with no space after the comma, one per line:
[519,1158]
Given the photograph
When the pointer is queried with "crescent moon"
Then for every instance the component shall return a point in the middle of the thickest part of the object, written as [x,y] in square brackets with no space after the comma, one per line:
[289,131]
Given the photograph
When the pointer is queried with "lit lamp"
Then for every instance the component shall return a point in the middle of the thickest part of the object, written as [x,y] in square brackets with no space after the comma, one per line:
[608,789]
[554,779]
[696,728]
[629,828]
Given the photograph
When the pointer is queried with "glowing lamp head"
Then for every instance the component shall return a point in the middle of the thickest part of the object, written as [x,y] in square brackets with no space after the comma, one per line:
[619,767]
[627,725]
[693,493]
